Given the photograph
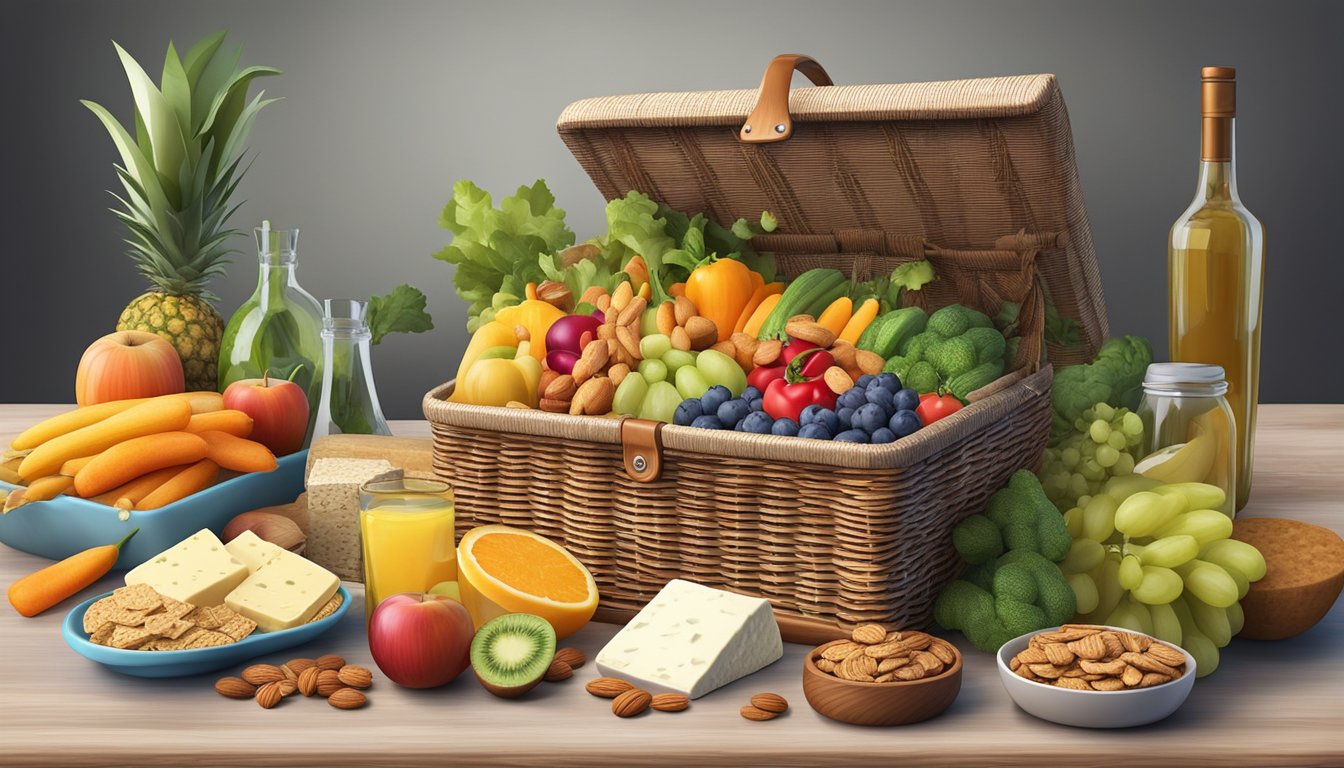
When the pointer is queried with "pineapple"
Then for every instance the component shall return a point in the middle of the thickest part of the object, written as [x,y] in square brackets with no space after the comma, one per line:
[178,173]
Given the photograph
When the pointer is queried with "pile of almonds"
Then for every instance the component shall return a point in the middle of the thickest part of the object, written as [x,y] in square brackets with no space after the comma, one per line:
[874,655]
[680,321]
[326,676]
[629,701]
[1088,657]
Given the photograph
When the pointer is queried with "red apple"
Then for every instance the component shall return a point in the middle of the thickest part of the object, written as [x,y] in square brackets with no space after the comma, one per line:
[279,411]
[420,640]
[126,365]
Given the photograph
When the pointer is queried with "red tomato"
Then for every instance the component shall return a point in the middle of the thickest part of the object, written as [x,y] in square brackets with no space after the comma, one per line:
[933,407]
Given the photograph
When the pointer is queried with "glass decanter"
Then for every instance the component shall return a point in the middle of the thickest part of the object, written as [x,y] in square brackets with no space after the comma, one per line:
[349,401]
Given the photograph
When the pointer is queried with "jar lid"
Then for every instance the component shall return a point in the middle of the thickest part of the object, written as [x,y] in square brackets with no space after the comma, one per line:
[1178,376]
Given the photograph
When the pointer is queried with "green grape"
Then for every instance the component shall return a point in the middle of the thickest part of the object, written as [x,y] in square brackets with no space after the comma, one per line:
[691,382]
[1209,583]
[1083,556]
[1201,648]
[1131,425]
[1099,431]
[1159,586]
[1236,619]
[1235,555]
[1084,500]
[1132,615]
[1145,512]
[1130,574]
[1166,625]
[1099,518]
[1243,583]
[1070,457]
[1073,520]
[719,368]
[655,346]
[1107,456]
[1109,591]
[1117,441]
[630,395]
[1103,411]
[653,370]
[1206,525]
[1084,592]
[661,402]
[1077,484]
[1197,495]
[1121,488]
[1212,622]
[676,359]
[1123,466]
[1170,551]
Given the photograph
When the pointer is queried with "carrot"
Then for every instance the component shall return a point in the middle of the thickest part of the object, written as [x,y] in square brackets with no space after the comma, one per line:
[859,321]
[196,477]
[753,326]
[762,291]
[238,454]
[138,456]
[200,402]
[41,489]
[236,423]
[42,589]
[147,418]
[127,495]
[837,315]
[9,472]
[72,467]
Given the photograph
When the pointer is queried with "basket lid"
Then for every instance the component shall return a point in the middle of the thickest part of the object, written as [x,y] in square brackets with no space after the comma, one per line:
[960,164]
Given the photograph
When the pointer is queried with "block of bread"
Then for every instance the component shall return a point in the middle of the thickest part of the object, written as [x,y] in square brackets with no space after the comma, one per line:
[333,512]
[413,455]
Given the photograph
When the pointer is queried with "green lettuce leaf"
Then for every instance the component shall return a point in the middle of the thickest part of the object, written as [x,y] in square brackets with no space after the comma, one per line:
[401,311]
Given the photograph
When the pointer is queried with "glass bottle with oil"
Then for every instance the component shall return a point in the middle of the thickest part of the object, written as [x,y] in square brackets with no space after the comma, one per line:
[1216,271]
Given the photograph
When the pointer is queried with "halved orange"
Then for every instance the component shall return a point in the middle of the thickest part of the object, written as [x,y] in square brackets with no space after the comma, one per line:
[510,570]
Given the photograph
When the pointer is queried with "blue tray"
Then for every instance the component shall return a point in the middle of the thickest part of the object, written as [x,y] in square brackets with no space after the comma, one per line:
[66,524]
[197,660]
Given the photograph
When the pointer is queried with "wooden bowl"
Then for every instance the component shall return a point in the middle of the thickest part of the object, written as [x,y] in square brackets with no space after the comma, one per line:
[1304,576]
[892,703]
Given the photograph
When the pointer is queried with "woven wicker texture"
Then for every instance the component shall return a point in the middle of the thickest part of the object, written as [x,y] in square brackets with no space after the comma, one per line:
[957,164]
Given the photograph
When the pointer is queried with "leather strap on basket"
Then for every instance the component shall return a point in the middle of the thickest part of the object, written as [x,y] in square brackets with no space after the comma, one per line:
[642,449]
[770,120]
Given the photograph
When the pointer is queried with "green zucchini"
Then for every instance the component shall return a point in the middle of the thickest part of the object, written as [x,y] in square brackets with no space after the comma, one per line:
[885,336]
[802,295]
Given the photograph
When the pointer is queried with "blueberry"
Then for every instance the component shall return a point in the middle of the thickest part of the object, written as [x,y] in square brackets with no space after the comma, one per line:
[891,381]
[906,399]
[687,412]
[845,417]
[751,393]
[809,415]
[759,423]
[830,420]
[714,397]
[870,418]
[733,411]
[883,435]
[786,427]
[904,423]
[880,396]
[864,380]
[756,405]
[815,432]
[852,398]
[852,436]
[707,422]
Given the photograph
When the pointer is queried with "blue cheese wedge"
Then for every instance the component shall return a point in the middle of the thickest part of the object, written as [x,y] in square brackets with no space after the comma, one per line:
[198,570]
[692,639]
[285,592]
[252,550]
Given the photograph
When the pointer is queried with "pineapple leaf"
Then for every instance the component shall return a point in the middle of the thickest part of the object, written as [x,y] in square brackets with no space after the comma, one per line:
[200,55]
[215,72]
[177,95]
[165,136]
[223,121]
[138,168]
[244,126]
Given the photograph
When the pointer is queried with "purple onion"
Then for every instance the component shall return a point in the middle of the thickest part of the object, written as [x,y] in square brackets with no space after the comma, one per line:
[565,333]
[561,361]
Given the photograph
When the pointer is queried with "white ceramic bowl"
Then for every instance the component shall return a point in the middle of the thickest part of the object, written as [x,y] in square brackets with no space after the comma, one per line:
[1093,709]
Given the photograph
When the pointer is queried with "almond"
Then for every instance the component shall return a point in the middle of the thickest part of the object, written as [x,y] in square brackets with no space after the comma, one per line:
[355,676]
[606,332]
[808,330]
[298,665]
[235,688]
[666,318]
[562,388]
[756,713]
[593,398]
[745,347]
[770,702]
[837,380]
[633,702]
[558,671]
[617,373]
[680,339]
[608,687]
[347,698]
[571,656]
[288,672]
[727,348]
[581,372]
[603,304]
[596,355]
[767,352]
[844,353]
[633,312]
[328,682]
[620,298]
[269,695]
[683,310]
[869,362]
[556,294]
[330,661]
[702,332]
[554,406]
[669,702]
[261,674]
[590,296]
[630,341]
[308,680]
[287,687]
[868,634]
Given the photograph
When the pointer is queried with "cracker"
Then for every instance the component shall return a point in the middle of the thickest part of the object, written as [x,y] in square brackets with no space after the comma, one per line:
[96,616]
[194,638]
[164,625]
[204,618]
[176,608]
[137,597]
[235,626]
[103,634]
[328,609]
[130,638]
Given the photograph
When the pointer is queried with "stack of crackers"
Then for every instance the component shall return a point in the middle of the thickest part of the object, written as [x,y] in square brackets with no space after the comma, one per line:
[138,618]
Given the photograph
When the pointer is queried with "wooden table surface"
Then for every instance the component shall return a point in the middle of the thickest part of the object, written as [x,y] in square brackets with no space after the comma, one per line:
[1268,704]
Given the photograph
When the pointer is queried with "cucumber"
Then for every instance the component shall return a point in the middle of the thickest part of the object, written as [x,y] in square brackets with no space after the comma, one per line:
[894,329]
[813,288]
[977,377]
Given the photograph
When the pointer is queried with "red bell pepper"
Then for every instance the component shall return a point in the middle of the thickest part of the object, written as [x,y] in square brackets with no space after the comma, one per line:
[786,397]
[761,376]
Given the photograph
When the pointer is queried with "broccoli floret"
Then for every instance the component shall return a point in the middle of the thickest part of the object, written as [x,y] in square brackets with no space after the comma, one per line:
[988,343]
[1028,519]
[915,349]
[1114,377]
[977,540]
[922,377]
[951,357]
[952,320]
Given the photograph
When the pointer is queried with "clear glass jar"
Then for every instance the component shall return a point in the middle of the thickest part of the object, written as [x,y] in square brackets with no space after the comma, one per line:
[1189,430]
[349,402]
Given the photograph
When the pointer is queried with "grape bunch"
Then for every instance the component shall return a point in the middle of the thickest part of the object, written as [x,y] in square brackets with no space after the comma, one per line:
[666,376]
[1158,559]
[1103,446]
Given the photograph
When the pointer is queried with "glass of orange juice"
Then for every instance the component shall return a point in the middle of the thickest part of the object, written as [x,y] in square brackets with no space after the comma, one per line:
[408,542]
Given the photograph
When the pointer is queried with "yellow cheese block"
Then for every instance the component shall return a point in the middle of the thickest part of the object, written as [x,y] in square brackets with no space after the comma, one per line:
[252,550]
[198,570]
[283,593]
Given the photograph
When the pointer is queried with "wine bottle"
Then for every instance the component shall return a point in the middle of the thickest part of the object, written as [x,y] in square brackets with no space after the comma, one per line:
[1216,271]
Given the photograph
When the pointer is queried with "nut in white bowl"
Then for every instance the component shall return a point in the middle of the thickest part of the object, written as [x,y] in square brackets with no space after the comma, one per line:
[1124,708]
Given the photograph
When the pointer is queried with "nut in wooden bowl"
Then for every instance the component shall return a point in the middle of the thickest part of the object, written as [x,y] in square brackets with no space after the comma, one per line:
[894,701]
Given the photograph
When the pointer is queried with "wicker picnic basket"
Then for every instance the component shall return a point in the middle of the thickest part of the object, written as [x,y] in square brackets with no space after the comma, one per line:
[978,176]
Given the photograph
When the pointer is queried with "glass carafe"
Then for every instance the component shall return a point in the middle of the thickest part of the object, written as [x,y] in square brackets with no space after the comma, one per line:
[278,330]
[349,401]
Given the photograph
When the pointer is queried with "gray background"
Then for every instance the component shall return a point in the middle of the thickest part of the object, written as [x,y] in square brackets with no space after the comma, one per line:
[386,104]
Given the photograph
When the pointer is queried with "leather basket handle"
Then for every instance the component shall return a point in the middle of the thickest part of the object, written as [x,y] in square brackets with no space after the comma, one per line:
[770,120]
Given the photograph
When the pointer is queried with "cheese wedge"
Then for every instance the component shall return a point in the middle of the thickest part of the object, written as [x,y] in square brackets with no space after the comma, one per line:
[285,592]
[198,570]
[252,550]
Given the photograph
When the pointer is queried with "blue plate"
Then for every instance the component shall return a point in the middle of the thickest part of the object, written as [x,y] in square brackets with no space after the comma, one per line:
[65,525]
[197,660]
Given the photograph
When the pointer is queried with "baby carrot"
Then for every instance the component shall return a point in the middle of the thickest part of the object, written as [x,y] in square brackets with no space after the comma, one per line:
[42,589]
[160,414]
[88,415]
[238,454]
[182,484]
[236,423]
[41,489]
[127,495]
[138,456]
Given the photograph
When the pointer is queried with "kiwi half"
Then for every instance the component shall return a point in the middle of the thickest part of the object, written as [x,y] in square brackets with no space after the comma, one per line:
[511,653]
